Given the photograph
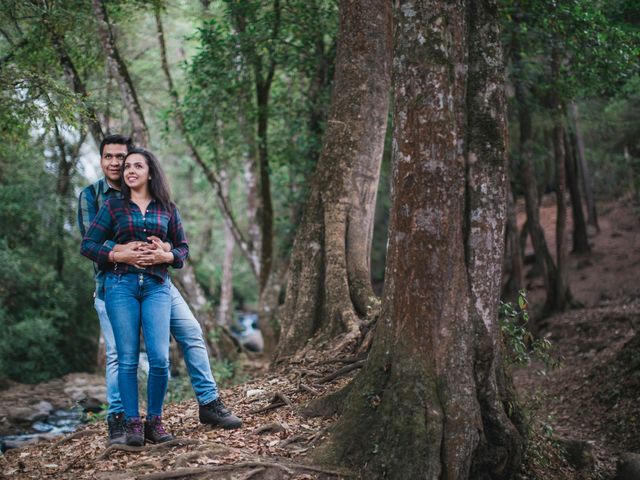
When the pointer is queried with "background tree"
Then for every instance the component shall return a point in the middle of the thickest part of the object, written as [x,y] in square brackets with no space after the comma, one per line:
[329,290]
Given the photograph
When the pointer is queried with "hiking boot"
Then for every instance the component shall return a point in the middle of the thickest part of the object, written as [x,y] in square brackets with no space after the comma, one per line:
[117,432]
[154,432]
[135,437]
[216,414]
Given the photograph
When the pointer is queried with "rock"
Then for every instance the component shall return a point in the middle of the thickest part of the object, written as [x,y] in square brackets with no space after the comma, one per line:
[256,392]
[31,413]
[579,453]
[628,467]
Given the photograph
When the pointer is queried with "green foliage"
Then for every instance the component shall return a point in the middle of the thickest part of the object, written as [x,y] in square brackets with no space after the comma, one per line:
[45,286]
[522,347]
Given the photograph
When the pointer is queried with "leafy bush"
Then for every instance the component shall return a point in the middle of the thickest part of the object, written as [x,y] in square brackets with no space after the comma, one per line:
[522,347]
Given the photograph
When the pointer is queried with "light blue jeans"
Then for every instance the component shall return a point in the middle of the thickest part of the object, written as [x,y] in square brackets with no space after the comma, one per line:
[136,300]
[185,330]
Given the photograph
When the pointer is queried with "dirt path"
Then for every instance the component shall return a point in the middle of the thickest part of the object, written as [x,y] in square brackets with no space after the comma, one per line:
[593,397]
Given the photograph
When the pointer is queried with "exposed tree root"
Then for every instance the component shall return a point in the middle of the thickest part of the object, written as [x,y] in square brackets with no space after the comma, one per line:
[258,464]
[350,359]
[306,388]
[342,371]
[159,446]
[274,427]
[278,400]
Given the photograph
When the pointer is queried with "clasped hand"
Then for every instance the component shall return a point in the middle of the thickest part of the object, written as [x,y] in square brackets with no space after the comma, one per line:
[143,254]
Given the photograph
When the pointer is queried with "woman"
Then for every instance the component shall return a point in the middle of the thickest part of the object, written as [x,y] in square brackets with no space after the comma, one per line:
[139,295]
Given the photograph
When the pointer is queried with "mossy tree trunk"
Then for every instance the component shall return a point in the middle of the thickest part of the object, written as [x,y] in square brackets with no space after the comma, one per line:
[329,288]
[432,400]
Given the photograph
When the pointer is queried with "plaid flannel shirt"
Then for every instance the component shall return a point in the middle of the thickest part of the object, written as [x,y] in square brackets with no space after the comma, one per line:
[120,221]
[89,202]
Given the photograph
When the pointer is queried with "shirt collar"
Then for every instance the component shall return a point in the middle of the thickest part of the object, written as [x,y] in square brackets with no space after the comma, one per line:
[106,186]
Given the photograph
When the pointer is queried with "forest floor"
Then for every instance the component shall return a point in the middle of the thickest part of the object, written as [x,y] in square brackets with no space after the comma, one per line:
[588,404]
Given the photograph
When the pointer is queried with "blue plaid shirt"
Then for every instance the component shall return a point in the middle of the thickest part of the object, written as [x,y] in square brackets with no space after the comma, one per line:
[89,202]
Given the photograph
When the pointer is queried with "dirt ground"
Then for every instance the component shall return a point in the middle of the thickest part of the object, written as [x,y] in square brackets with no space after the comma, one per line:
[593,397]
[591,400]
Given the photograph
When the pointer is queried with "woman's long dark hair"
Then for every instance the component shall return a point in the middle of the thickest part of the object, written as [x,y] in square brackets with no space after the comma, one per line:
[158,185]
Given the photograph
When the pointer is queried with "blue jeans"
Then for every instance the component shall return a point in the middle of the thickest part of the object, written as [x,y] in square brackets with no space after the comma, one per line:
[186,331]
[133,301]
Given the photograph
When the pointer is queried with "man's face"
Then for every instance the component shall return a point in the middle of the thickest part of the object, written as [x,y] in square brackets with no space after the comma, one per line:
[111,161]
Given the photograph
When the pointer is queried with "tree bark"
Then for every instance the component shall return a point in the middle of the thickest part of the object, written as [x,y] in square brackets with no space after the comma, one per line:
[329,288]
[580,239]
[120,73]
[428,404]
[583,168]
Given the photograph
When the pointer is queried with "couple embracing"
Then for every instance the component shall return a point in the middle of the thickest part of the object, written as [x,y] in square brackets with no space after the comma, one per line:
[133,233]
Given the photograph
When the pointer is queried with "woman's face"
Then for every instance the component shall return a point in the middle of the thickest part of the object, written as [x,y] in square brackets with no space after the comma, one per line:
[136,171]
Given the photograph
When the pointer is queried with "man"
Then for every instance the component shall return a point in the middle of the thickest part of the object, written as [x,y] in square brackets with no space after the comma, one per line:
[184,327]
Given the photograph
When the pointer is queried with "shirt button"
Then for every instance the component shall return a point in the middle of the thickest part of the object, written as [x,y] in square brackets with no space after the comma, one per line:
[144,230]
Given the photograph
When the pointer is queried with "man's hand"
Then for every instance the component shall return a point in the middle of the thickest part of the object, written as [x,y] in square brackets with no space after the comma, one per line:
[131,253]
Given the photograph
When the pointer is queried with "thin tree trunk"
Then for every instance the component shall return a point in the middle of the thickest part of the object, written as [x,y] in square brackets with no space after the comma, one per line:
[513,266]
[583,168]
[544,260]
[120,73]
[561,298]
[580,239]
[76,82]
[329,289]
[428,403]
[226,288]
[263,78]
[248,251]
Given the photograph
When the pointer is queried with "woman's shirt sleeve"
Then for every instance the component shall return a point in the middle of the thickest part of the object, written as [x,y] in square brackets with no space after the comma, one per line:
[177,238]
[97,242]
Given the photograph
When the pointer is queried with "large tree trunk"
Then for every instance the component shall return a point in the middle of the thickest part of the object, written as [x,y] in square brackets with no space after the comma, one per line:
[580,238]
[583,168]
[120,73]
[428,403]
[329,286]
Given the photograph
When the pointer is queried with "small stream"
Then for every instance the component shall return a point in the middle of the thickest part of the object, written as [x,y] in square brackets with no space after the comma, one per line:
[58,422]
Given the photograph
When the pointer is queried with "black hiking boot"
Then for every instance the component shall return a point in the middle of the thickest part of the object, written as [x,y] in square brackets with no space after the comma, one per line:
[135,436]
[216,414]
[154,432]
[117,432]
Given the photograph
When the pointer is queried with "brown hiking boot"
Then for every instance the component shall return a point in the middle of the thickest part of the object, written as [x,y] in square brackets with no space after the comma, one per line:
[154,432]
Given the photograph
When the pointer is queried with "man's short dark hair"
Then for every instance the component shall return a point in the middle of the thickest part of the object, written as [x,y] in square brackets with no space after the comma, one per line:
[116,140]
